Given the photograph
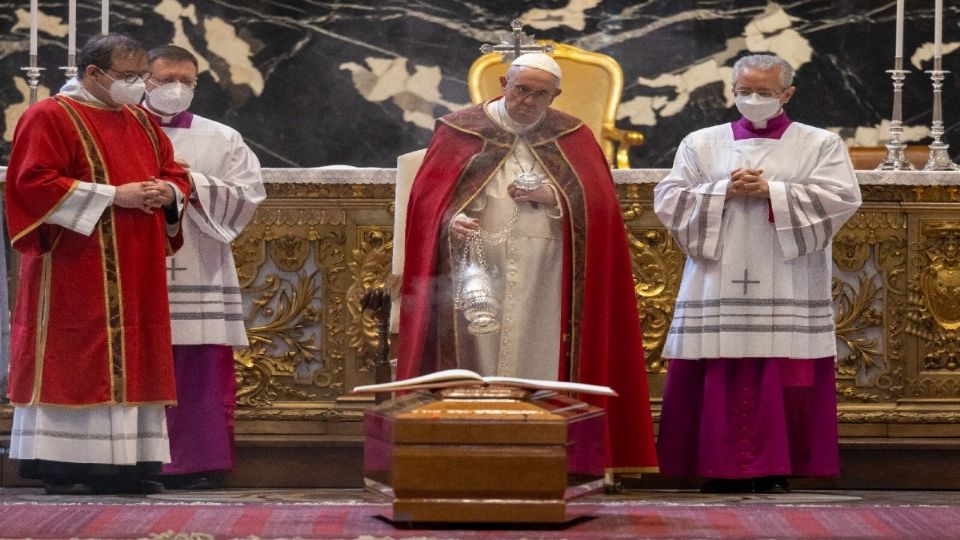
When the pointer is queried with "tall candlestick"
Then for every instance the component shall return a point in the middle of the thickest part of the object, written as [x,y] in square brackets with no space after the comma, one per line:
[937,28]
[34,23]
[33,71]
[899,53]
[896,150]
[70,70]
[939,158]
[72,29]
[105,16]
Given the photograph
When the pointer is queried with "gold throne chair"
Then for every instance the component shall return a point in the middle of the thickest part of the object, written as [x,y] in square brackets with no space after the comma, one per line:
[592,85]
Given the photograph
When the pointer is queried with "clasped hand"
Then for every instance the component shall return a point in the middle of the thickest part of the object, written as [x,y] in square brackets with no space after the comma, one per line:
[146,195]
[748,183]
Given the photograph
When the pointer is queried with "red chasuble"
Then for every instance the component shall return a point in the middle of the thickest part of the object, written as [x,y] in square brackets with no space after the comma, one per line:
[601,338]
[92,322]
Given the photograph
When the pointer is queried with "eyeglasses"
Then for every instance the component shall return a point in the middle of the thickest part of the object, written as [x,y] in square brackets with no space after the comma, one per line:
[522,92]
[189,83]
[747,92]
[127,76]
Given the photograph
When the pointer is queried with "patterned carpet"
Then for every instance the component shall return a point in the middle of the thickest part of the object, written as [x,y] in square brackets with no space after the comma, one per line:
[349,514]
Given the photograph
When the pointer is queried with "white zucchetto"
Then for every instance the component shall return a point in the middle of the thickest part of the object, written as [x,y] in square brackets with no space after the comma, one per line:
[541,61]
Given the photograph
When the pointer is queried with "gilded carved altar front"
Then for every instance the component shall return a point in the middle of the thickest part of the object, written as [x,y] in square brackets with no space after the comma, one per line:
[304,261]
[313,249]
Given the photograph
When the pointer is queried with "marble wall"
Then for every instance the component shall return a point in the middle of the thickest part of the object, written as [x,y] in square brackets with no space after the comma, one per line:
[312,83]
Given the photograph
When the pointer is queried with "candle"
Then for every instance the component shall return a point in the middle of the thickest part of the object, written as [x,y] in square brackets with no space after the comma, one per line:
[34,22]
[899,53]
[104,16]
[937,29]
[72,29]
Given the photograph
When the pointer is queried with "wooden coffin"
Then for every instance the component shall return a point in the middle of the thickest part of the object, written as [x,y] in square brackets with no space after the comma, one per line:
[483,454]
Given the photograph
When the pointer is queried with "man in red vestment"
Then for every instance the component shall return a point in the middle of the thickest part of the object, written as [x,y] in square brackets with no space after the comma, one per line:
[93,206]
[555,254]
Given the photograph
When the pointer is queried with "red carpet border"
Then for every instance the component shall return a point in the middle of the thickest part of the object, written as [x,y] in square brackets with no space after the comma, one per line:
[167,521]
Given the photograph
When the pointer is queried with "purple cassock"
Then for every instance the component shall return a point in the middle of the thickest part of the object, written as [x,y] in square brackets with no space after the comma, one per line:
[740,418]
[206,305]
[200,426]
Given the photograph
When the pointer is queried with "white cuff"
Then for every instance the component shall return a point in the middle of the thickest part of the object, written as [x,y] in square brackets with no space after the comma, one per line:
[81,210]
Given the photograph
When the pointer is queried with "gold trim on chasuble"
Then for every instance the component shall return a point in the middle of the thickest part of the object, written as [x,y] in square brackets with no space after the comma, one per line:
[43,219]
[43,313]
[141,116]
[106,229]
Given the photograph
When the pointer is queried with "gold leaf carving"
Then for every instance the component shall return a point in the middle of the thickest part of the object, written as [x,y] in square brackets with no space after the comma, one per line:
[249,254]
[850,253]
[298,191]
[657,267]
[289,252]
[899,417]
[933,315]
[870,258]
[854,314]
[369,268]
[940,281]
[283,346]
[632,211]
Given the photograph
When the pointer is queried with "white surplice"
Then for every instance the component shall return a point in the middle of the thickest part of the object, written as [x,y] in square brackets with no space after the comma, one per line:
[205,304]
[752,287]
[104,434]
[529,270]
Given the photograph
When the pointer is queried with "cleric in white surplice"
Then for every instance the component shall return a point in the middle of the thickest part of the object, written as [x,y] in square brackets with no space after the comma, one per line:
[205,304]
[754,205]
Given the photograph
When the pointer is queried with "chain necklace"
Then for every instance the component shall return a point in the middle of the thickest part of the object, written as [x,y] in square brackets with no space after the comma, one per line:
[525,180]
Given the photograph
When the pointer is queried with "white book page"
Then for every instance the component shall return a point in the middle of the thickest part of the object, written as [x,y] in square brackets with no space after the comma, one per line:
[561,386]
[465,377]
[438,379]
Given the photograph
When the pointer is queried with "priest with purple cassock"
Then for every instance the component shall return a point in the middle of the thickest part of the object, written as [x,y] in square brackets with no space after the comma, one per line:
[750,393]
[204,290]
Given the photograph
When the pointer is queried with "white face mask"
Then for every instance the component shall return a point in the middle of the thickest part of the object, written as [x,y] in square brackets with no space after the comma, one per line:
[124,93]
[170,99]
[756,108]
